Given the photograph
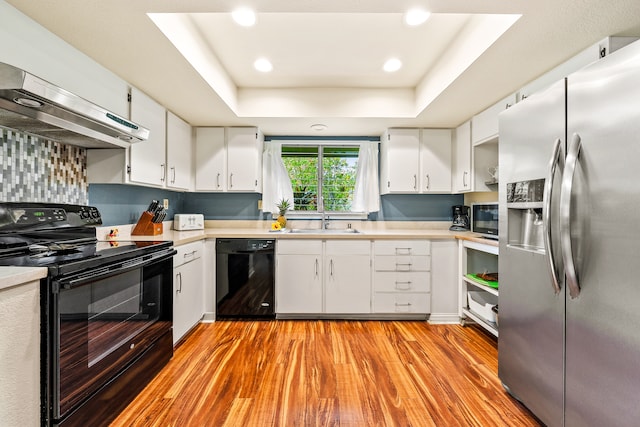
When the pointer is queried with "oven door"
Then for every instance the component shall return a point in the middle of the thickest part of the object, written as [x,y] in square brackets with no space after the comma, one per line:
[103,319]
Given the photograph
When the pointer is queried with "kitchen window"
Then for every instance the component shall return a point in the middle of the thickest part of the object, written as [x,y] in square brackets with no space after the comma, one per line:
[322,174]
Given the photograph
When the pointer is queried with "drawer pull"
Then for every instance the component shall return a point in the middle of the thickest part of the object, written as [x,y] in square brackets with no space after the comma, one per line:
[403,266]
[403,286]
[403,251]
[403,307]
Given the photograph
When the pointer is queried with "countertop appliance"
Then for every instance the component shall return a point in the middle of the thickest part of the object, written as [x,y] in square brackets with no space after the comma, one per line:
[183,222]
[569,308]
[245,278]
[484,219]
[106,309]
[30,104]
[460,215]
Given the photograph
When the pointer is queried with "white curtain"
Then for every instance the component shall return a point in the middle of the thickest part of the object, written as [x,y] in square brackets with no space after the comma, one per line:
[276,184]
[366,194]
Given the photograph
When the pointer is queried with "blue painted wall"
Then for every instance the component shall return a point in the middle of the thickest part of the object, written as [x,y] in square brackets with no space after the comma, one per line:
[123,204]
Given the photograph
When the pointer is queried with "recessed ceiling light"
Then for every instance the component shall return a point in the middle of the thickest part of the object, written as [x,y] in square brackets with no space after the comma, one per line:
[263,65]
[393,64]
[416,17]
[244,16]
[318,127]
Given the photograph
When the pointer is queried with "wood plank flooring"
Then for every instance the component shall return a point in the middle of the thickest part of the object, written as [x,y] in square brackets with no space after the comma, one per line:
[329,373]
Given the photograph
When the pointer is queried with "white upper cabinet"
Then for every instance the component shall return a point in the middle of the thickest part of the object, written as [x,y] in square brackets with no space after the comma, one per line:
[462,162]
[179,150]
[484,126]
[229,159]
[435,161]
[244,159]
[400,161]
[415,161]
[211,159]
[148,158]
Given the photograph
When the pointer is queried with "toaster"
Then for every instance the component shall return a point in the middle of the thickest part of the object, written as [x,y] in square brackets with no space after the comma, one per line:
[182,222]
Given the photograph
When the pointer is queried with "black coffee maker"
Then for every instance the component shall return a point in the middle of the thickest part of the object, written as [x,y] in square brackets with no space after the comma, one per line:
[460,218]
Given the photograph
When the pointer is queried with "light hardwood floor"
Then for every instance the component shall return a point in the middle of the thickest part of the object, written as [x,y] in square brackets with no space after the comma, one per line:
[329,373]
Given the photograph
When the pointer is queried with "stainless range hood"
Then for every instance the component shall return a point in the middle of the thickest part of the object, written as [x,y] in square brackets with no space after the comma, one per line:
[32,105]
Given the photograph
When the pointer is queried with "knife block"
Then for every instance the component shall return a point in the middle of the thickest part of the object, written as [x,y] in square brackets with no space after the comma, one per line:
[145,227]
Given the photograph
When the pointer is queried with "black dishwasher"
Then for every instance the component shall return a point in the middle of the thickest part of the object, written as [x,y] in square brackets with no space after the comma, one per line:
[245,278]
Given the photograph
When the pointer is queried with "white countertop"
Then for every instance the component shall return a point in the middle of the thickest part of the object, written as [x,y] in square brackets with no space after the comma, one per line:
[14,276]
[261,229]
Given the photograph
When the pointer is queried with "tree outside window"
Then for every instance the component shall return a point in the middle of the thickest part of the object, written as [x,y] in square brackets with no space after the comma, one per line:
[321,171]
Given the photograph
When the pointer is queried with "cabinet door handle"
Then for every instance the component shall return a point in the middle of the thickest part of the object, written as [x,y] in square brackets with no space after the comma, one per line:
[415,181]
[403,251]
[331,268]
[316,267]
[464,179]
[163,172]
[179,276]
[173,174]
[230,180]
[428,181]
[218,180]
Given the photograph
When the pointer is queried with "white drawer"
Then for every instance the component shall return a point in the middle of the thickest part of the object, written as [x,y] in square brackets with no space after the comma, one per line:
[393,281]
[302,247]
[402,263]
[187,253]
[348,247]
[402,247]
[401,303]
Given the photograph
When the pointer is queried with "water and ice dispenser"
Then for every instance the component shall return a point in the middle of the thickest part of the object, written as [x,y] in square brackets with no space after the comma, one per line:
[524,208]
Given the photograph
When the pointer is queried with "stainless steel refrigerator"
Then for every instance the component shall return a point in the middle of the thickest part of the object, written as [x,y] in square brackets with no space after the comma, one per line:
[569,346]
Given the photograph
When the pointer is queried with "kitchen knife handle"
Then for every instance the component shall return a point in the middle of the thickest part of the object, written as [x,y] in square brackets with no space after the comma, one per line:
[556,160]
[565,215]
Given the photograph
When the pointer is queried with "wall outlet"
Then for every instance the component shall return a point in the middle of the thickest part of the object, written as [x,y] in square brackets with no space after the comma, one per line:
[259,205]
[165,203]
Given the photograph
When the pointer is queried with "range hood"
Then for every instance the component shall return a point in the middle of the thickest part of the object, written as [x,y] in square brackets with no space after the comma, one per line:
[32,105]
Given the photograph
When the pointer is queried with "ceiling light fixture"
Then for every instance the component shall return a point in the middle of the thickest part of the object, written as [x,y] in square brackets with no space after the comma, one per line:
[416,17]
[263,65]
[244,16]
[392,65]
[318,127]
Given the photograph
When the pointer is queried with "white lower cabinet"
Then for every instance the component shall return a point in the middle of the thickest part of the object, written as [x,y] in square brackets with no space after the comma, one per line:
[188,288]
[299,276]
[318,277]
[348,276]
[402,277]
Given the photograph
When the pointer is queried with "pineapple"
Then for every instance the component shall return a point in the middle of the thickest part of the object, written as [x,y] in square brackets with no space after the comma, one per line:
[282,208]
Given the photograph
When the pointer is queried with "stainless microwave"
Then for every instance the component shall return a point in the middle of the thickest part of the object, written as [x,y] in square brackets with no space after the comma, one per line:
[484,219]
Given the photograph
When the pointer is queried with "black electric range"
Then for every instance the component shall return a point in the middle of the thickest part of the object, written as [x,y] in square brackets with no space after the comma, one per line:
[105,309]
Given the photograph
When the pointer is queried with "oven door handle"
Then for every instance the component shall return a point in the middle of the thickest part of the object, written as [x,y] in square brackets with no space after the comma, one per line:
[82,278]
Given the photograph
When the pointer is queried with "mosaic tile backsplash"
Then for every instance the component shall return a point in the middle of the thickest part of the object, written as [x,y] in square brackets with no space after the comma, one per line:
[38,170]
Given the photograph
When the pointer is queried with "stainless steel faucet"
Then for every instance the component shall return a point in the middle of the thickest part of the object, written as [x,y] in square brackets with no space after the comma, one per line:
[325,218]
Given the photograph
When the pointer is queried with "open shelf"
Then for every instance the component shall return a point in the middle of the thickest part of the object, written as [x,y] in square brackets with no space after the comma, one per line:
[489,326]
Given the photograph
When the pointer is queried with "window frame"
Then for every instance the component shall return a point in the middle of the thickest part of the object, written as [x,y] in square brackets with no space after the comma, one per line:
[321,144]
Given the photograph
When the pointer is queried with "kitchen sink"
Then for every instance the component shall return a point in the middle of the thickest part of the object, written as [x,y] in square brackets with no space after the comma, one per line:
[324,231]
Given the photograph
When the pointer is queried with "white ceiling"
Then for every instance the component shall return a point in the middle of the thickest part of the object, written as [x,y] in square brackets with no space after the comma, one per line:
[328,55]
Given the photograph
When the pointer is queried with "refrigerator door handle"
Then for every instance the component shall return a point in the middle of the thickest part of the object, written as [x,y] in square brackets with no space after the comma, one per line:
[565,215]
[555,162]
